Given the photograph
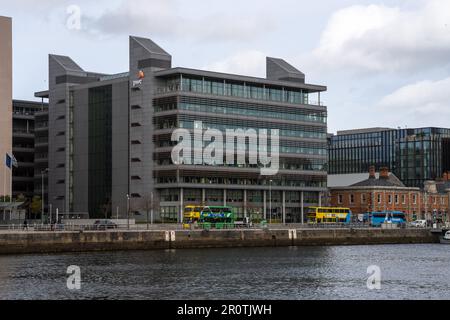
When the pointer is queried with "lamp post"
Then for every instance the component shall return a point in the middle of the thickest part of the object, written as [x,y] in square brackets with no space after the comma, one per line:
[43,195]
[128,211]
[151,210]
[270,202]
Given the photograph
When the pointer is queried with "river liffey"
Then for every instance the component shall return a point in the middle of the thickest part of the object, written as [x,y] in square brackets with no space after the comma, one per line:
[311,273]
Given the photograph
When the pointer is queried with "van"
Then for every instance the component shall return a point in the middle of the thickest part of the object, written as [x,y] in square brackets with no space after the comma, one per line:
[419,224]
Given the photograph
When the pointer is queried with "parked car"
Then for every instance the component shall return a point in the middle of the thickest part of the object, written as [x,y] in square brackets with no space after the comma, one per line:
[104,224]
[419,223]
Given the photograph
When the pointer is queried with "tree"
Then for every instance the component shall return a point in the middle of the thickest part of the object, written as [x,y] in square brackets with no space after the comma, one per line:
[149,203]
[106,208]
[21,198]
[5,199]
[36,206]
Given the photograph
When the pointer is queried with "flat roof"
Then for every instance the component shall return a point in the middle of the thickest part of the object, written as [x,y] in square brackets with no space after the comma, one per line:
[235,77]
[363,130]
[41,94]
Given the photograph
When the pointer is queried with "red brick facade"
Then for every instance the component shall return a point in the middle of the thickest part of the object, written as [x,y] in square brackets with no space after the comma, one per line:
[416,203]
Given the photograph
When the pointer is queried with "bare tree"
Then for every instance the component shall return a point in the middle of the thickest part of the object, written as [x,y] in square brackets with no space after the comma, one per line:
[150,205]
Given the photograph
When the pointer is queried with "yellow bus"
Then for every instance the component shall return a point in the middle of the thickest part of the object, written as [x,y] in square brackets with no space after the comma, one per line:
[329,215]
[191,214]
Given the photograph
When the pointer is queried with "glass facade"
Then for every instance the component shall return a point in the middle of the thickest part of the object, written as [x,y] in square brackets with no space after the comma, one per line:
[223,87]
[183,101]
[413,155]
[100,151]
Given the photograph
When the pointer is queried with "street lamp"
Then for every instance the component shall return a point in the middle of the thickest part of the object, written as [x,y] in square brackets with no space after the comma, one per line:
[128,211]
[43,195]
[270,202]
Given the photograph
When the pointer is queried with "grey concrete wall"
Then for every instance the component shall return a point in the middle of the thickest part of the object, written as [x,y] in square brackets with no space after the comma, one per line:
[143,50]
[120,147]
[42,242]
[81,151]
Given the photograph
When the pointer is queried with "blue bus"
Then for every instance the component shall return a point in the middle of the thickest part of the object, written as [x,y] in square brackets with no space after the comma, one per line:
[377,218]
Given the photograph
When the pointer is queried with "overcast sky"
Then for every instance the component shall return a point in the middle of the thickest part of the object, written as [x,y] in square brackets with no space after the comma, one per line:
[386,63]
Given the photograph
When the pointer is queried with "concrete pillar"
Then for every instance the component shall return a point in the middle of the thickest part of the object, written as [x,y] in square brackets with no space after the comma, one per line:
[320,199]
[204,196]
[245,203]
[181,205]
[224,197]
[284,207]
[302,208]
[265,205]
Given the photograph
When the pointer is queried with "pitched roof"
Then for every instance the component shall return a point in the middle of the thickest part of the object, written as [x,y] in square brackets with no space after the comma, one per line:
[391,181]
[443,186]
[150,46]
[66,62]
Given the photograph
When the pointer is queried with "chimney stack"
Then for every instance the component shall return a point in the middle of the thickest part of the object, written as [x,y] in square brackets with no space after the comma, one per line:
[372,172]
[384,173]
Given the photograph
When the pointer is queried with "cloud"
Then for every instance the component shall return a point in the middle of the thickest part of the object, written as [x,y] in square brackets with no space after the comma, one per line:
[379,38]
[425,103]
[168,18]
[249,62]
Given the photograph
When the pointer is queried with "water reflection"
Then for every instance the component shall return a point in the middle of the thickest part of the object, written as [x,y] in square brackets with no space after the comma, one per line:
[408,272]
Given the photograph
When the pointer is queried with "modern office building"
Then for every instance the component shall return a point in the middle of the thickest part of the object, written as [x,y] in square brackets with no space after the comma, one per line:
[5,102]
[41,153]
[413,155]
[110,138]
[23,176]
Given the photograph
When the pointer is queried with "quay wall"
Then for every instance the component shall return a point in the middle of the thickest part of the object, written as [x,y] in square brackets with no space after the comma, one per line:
[52,242]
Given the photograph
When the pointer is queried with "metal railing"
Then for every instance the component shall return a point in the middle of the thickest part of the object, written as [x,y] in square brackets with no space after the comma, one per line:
[36,227]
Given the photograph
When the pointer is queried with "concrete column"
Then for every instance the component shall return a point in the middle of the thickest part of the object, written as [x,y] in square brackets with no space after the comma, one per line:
[181,204]
[245,203]
[302,208]
[320,199]
[265,205]
[224,197]
[203,196]
[284,207]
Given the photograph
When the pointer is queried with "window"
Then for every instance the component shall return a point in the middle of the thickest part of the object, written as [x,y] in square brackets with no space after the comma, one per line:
[340,199]
[352,198]
[403,199]
[396,199]
[390,199]
[363,198]
[414,199]
[379,198]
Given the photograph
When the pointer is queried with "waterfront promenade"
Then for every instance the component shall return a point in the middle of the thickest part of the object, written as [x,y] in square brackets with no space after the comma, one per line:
[18,241]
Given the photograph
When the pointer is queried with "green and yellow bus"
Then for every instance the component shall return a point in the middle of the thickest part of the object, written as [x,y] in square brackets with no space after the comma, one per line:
[329,215]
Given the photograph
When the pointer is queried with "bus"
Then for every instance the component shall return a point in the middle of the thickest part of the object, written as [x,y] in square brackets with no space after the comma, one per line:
[329,215]
[191,214]
[217,214]
[376,219]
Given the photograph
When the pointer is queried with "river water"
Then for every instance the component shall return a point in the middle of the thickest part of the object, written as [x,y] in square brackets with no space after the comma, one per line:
[407,272]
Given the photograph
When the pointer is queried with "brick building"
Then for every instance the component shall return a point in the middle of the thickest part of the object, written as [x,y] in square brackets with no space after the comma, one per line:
[388,193]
